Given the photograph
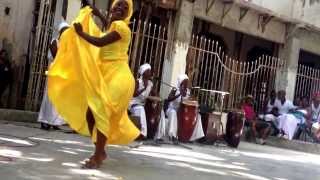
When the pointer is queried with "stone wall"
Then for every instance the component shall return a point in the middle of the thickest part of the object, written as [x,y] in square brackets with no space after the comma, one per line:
[283,7]
[16,27]
[15,31]
[274,31]
[311,12]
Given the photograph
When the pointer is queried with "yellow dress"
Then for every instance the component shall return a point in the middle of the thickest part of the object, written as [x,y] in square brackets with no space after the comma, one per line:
[83,76]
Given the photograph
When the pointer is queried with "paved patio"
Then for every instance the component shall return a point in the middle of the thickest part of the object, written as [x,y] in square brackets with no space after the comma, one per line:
[58,156]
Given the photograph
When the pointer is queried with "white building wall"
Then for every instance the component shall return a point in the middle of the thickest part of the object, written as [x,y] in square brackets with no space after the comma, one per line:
[16,27]
[304,10]
[311,13]
[275,30]
[283,7]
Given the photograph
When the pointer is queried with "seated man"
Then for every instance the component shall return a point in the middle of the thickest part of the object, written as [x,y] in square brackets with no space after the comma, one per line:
[143,89]
[284,105]
[258,128]
[170,125]
[271,112]
[315,109]
[313,122]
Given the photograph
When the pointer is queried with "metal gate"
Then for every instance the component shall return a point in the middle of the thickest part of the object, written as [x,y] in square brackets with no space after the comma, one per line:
[149,45]
[211,69]
[39,62]
[308,81]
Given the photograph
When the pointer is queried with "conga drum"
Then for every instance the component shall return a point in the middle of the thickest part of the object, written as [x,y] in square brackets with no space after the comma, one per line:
[153,110]
[187,117]
[213,127]
[234,127]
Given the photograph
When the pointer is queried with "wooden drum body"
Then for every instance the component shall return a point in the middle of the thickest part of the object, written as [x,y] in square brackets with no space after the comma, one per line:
[153,110]
[235,123]
[136,121]
[187,117]
[212,127]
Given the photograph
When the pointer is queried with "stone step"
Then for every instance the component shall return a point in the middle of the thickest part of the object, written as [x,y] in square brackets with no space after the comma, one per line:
[18,115]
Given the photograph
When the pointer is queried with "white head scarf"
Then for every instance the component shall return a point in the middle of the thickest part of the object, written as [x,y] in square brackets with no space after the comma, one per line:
[144,68]
[62,25]
[181,78]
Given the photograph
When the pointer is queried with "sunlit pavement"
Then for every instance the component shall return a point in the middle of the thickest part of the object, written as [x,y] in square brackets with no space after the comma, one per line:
[58,155]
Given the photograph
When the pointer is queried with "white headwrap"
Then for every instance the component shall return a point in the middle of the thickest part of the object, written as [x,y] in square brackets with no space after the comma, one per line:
[181,78]
[62,25]
[144,68]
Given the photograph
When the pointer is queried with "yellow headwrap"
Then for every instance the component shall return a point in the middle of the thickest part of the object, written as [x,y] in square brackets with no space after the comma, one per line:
[130,9]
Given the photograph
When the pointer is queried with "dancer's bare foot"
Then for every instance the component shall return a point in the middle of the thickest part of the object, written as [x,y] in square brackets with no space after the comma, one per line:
[95,161]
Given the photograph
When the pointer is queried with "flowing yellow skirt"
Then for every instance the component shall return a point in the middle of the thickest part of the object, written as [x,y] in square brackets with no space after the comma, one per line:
[78,79]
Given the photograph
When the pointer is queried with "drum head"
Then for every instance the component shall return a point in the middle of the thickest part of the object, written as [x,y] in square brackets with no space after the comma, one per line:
[154,98]
[190,103]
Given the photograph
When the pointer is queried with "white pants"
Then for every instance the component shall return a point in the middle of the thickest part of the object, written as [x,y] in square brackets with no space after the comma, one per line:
[139,111]
[315,127]
[288,123]
[169,126]
[48,114]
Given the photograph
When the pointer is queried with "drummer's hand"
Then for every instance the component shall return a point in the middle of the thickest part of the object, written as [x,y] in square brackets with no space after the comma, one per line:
[78,28]
[183,92]
[174,90]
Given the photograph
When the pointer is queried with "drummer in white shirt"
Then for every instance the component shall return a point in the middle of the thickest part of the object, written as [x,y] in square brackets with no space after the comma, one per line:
[169,126]
[143,89]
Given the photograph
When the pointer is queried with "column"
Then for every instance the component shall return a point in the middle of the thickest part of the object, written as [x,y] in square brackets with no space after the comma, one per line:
[175,61]
[73,10]
[286,78]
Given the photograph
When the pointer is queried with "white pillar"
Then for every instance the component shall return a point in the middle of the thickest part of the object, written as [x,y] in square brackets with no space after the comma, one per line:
[175,63]
[286,78]
[73,10]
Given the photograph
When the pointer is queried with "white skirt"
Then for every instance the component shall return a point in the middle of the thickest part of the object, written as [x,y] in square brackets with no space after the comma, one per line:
[47,113]
[139,111]
[169,126]
[288,123]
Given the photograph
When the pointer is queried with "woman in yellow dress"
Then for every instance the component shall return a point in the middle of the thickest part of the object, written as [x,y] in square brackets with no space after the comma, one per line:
[90,82]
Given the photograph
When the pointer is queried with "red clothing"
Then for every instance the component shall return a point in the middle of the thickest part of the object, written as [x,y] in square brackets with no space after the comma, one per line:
[249,112]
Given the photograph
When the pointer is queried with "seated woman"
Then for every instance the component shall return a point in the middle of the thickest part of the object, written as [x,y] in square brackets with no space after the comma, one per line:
[170,125]
[143,89]
[260,130]
[288,122]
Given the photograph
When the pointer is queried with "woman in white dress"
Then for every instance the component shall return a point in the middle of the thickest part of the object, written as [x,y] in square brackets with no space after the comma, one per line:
[169,126]
[48,117]
[142,92]
[288,122]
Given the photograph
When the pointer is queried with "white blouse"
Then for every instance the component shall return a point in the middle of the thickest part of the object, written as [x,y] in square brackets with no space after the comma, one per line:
[141,99]
[285,107]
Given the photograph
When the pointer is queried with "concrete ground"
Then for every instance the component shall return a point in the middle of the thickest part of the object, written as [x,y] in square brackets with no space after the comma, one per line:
[58,155]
